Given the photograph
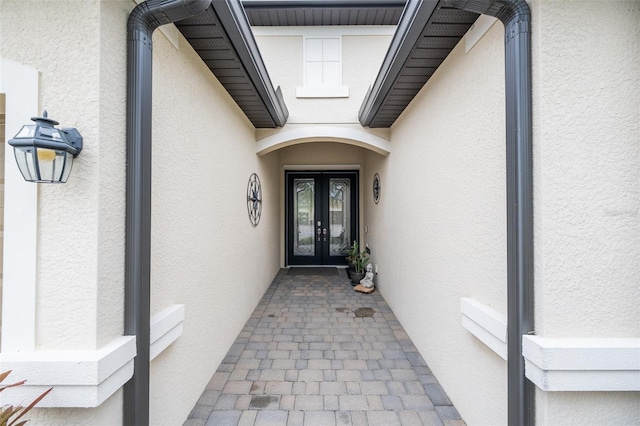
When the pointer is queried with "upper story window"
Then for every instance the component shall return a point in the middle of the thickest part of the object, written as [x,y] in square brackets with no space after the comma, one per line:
[323,65]
[322,68]
[337,61]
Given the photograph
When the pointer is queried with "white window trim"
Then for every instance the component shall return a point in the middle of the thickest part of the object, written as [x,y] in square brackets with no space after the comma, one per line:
[308,91]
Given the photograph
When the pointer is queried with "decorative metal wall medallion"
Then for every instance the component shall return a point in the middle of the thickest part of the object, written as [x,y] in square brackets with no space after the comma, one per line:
[254,199]
[376,188]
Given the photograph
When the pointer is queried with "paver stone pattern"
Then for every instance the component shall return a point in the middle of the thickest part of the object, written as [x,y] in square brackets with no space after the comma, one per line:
[305,358]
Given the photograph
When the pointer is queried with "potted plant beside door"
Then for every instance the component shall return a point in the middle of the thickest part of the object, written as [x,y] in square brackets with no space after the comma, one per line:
[360,263]
[352,254]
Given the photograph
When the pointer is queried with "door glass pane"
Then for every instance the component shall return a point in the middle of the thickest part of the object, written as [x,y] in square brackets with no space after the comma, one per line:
[303,217]
[339,216]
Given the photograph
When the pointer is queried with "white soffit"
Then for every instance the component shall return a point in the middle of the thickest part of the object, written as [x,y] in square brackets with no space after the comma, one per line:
[323,134]
[325,31]
[590,365]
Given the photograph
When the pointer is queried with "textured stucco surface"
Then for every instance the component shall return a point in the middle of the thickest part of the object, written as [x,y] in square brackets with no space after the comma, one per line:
[587,408]
[66,284]
[81,85]
[438,232]
[109,413]
[206,255]
[322,153]
[447,203]
[586,64]
[587,152]
[111,205]
[205,252]
[80,232]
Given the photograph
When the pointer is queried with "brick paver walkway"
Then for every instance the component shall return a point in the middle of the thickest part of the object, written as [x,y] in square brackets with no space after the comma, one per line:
[315,352]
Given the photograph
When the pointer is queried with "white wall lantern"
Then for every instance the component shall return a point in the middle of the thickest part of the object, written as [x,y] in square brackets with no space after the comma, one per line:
[44,153]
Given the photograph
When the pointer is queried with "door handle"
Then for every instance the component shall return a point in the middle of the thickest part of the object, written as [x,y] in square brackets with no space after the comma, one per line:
[319,232]
[324,232]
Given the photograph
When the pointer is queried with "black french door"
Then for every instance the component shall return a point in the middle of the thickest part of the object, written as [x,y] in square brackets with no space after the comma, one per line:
[322,216]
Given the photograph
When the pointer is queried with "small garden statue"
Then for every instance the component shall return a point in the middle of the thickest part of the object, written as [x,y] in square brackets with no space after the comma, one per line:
[366,284]
[367,281]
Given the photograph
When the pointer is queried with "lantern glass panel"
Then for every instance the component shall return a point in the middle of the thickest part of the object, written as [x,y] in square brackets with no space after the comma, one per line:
[24,158]
[27,131]
[52,164]
[66,169]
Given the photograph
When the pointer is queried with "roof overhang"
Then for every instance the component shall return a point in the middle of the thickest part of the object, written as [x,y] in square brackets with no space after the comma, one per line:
[426,34]
[222,37]
[427,31]
[323,12]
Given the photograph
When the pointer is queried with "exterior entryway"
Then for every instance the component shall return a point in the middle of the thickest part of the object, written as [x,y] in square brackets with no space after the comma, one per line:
[322,215]
[315,352]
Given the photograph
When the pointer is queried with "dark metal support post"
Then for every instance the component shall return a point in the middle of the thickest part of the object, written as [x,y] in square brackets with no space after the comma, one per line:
[516,17]
[143,20]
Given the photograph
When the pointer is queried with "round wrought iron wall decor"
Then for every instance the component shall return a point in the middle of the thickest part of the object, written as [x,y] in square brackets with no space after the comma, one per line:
[254,199]
[376,188]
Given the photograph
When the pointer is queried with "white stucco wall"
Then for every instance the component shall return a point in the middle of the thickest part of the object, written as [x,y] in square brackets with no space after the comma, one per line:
[205,252]
[587,98]
[322,153]
[443,192]
[438,232]
[70,216]
[586,64]
[587,408]
[79,259]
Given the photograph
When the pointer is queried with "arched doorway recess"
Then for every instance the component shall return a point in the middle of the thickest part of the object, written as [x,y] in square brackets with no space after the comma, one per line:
[312,134]
[321,211]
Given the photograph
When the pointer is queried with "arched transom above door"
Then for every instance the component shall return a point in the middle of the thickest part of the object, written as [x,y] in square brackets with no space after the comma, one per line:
[312,134]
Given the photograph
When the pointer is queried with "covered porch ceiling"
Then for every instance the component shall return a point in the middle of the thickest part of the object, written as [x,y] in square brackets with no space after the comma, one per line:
[222,37]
